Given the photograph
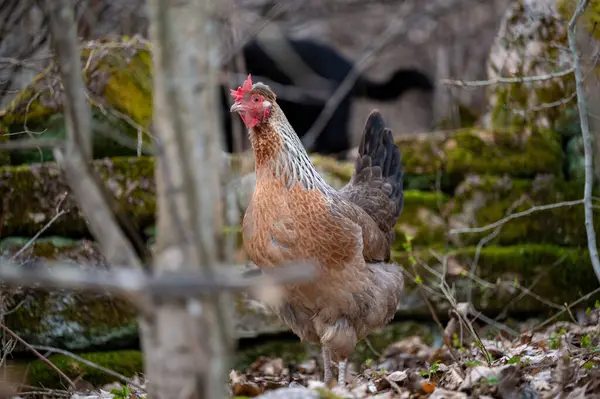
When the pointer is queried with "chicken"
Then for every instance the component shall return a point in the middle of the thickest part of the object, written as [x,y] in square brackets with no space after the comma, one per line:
[295,215]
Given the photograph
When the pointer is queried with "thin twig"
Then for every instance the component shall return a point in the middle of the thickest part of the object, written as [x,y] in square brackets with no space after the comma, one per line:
[90,364]
[58,214]
[503,80]
[400,26]
[587,140]
[571,305]
[502,221]
[38,354]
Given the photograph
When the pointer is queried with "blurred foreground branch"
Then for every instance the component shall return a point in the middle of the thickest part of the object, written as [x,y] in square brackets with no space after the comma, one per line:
[119,280]
[75,159]
[587,139]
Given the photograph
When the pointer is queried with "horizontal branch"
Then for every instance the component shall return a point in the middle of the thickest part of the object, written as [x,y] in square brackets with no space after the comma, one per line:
[30,144]
[121,280]
[515,216]
[511,80]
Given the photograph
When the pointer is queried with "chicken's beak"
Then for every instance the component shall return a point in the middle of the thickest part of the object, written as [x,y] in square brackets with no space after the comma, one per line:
[237,107]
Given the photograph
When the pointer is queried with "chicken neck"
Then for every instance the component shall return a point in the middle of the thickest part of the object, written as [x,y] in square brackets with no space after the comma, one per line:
[278,150]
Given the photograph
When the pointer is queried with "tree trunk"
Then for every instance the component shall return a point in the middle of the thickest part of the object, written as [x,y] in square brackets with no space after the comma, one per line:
[186,344]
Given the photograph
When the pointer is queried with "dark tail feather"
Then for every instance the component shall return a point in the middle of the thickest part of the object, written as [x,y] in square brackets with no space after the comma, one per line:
[403,80]
[377,149]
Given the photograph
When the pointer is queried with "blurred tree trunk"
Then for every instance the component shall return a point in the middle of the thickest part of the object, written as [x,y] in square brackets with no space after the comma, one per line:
[186,345]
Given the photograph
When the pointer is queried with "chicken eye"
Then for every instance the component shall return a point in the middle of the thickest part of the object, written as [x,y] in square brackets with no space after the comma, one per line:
[255,99]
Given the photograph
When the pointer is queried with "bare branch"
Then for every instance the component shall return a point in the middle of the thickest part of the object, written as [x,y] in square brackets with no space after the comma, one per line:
[38,354]
[587,140]
[515,216]
[89,364]
[503,80]
[123,280]
[31,144]
[86,185]
[400,27]
[57,215]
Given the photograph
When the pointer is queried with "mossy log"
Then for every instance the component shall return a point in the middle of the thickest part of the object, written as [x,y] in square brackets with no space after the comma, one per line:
[481,200]
[510,279]
[125,362]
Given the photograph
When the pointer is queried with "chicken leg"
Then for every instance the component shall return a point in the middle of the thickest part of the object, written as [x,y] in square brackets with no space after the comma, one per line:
[342,365]
[327,375]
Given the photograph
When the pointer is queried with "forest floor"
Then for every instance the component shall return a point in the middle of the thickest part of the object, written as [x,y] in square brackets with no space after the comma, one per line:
[561,361]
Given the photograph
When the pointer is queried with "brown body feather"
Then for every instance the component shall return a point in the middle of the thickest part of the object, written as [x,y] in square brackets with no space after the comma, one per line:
[295,215]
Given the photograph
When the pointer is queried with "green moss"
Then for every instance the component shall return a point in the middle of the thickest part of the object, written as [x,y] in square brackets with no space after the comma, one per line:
[519,106]
[129,88]
[127,363]
[591,15]
[465,117]
[118,77]
[72,319]
[34,191]
[4,155]
[481,200]
[557,274]
[421,219]
[502,152]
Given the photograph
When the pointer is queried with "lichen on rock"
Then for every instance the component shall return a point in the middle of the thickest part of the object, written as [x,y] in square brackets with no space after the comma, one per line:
[547,271]
[481,200]
[531,42]
[119,87]
[70,319]
[33,193]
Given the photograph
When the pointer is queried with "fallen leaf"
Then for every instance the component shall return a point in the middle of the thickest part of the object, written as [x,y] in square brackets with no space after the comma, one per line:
[428,386]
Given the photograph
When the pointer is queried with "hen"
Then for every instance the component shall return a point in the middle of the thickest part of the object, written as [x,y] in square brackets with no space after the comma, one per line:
[295,215]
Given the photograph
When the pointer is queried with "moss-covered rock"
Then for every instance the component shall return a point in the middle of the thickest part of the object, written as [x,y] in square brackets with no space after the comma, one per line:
[533,152]
[81,321]
[421,220]
[70,319]
[119,83]
[481,200]
[4,155]
[33,193]
[555,274]
[530,43]
[125,362]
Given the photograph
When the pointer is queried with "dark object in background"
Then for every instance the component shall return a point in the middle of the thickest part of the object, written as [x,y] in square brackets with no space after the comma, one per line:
[326,63]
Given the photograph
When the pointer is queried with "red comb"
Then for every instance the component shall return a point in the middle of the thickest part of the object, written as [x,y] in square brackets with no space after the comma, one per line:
[244,88]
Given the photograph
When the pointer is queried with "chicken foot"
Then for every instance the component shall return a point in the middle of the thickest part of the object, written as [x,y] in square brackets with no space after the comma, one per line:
[328,374]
